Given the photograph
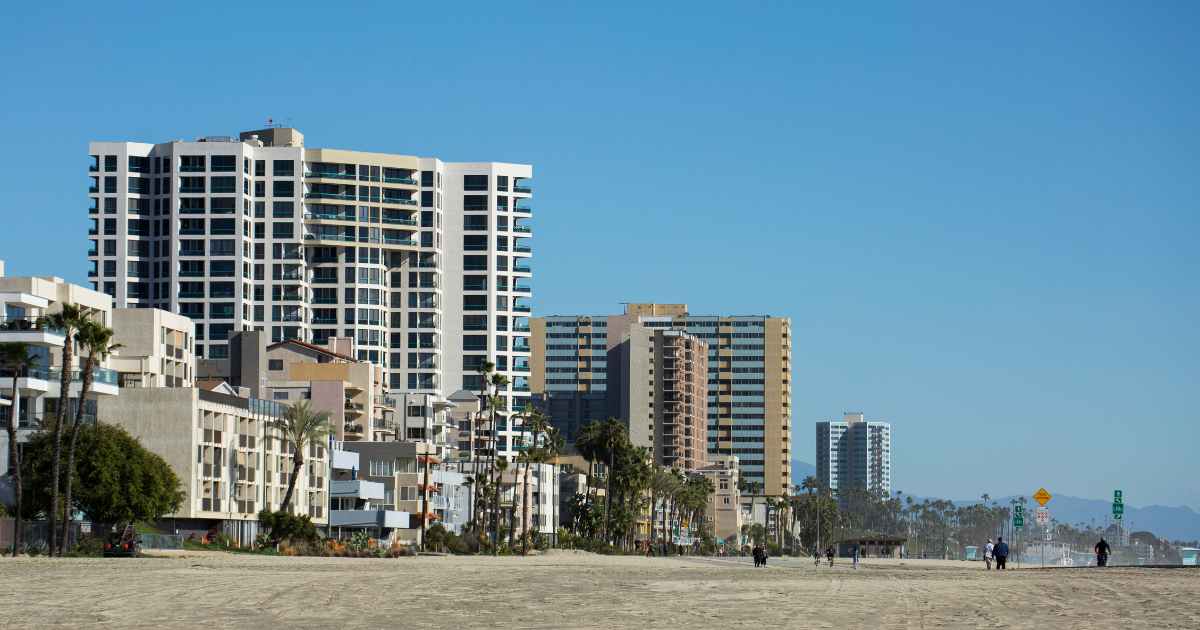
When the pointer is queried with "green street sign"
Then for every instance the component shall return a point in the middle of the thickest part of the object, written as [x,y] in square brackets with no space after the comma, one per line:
[1117,496]
[1018,522]
[1118,516]
[1118,509]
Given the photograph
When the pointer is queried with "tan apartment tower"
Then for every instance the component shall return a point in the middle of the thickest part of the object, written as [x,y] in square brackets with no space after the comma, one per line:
[749,393]
[659,385]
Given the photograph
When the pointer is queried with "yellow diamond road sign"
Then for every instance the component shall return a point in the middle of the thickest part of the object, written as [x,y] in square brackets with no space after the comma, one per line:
[1042,496]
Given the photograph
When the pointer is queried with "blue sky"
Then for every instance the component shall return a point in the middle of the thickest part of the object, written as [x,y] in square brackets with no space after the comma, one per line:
[981,220]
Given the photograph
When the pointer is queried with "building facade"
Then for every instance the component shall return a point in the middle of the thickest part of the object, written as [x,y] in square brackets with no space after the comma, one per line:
[855,452]
[230,463]
[424,264]
[658,383]
[25,304]
[156,348]
[749,412]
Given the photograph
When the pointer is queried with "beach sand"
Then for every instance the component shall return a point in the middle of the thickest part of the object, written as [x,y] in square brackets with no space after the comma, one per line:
[576,590]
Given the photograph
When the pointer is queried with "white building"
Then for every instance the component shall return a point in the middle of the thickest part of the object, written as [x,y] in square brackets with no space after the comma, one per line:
[25,303]
[424,263]
[855,452]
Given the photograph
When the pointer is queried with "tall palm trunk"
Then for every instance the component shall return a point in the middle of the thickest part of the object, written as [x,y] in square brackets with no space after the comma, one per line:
[297,464]
[64,398]
[525,509]
[86,386]
[14,458]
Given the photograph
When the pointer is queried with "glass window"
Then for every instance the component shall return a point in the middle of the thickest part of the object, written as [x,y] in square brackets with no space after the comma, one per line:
[283,168]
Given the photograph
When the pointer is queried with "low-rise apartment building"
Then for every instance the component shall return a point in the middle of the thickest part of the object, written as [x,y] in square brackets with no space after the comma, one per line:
[25,304]
[230,463]
[156,348]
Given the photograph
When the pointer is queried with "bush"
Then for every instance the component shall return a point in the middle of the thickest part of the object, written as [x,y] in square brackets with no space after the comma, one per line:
[87,547]
[283,526]
[359,542]
[456,544]
[35,549]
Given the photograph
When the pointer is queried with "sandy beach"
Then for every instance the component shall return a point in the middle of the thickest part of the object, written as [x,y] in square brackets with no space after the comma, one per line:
[571,590]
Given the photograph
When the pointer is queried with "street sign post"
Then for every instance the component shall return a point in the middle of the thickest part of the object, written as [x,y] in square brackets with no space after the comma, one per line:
[1042,496]
[1018,516]
[1043,516]
[1118,506]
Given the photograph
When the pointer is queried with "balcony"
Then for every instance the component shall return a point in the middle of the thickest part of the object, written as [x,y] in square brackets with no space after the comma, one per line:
[352,428]
[30,330]
[399,221]
[522,186]
[524,229]
[399,201]
[332,175]
[400,180]
[357,488]
[330,216]
[522,210]
[329,195]
[390,519]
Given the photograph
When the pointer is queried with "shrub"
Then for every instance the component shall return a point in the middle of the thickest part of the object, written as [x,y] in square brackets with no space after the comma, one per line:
[456,544]
[87,547]
[283,526]
[360,541]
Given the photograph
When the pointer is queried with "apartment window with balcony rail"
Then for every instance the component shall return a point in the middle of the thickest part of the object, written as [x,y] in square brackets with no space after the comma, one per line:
[475,202]
[191,184]
[281,229]
[224,184]
[110,163]
[475,182]
[224,163]
[110,184]
[475,283]
[284,188]
[192,164]
[475,242]
[222,247]
[283,168]
[139,186]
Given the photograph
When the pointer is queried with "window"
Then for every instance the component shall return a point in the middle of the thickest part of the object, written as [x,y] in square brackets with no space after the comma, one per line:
[220,205]
[224,163]
[275,365]
[475,182]
[280,395]
[426,179]
[475,302]
[475,283]
[226,184]
[110,163]
[282,229]
[473,243]
[221,247]
[193,205]
[191,164]
[191,184]
[283,209]
[283,168]
[475,202]
[139,185]
[475,222]
[283,189]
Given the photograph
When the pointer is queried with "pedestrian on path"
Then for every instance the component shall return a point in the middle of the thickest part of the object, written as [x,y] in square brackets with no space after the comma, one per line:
[1001,552]
[987,554]
[856,552]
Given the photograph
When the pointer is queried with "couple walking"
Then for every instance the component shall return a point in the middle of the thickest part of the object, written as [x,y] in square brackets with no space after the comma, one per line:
[997,552]
[760,556]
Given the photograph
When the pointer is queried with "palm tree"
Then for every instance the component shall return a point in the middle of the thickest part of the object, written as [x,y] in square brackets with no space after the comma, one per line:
[69,320]
[299,426]
[16,358]
[96,338]
[536,424]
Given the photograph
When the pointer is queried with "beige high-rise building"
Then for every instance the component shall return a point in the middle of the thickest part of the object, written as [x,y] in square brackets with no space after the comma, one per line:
[659,384]
[749,412]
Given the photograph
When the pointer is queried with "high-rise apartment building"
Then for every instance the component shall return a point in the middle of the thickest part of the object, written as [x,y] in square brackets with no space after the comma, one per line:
[425,264]
[855,452]
[658,381]
[749,379]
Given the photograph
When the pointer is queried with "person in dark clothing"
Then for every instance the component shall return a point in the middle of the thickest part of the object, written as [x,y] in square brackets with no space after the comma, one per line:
[829,555]
[757,553]
[1001,553]
[1102,551]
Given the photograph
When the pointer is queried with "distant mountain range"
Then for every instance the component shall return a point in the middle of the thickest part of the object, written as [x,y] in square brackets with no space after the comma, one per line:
[1173,523]
[800,470]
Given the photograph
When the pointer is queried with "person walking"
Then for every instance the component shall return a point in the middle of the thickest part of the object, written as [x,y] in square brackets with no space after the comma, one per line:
[757,553]
[987,554]
[1102,550]
[763,555]
[1001,553]
[829,554]
[856,552]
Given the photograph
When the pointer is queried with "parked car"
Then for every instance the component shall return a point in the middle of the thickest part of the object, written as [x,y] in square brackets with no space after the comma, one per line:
[124,544]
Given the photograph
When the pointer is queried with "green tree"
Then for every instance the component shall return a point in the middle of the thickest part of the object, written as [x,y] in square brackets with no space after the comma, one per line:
[300,426]
[97,339]
[119,481]
[16,360]
[70,319]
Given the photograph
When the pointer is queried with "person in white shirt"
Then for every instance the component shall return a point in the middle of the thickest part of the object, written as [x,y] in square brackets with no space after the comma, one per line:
[987,554]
